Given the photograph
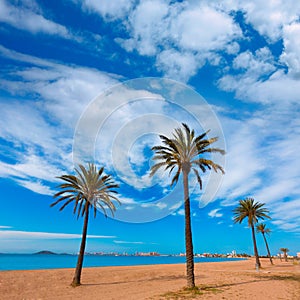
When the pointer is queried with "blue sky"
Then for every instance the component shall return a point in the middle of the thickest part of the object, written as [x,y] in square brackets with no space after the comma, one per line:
[57,57]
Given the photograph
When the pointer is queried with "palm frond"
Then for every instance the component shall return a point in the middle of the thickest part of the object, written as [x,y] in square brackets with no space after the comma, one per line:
[198,177]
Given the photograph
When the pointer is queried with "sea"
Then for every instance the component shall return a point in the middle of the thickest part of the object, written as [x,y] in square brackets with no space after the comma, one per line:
[56,261]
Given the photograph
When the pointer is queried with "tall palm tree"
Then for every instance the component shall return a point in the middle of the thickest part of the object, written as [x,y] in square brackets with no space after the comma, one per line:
[285,251]
[88,189]
[263,230]
[184,152]
[247,208]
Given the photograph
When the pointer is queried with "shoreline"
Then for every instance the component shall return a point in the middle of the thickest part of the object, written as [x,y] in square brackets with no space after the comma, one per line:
[232,260]
[217,280]
[31,262]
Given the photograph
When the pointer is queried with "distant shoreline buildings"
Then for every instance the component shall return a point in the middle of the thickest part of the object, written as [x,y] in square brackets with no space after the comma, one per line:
[232,254]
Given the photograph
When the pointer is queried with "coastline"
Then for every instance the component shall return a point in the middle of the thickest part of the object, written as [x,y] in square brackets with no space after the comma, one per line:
[218,280]
[16,262]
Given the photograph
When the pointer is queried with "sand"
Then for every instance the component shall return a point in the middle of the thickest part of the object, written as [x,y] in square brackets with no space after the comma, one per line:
[221,280]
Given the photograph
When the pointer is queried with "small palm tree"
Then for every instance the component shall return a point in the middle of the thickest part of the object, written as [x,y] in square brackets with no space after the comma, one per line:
[285,251]
[184,152]
[263,230]
[88,189]
[247,208]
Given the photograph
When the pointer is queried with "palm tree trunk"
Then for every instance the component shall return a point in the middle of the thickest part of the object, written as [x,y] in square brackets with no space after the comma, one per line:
[77,275]
[268,250]
[255,248]
[189,252]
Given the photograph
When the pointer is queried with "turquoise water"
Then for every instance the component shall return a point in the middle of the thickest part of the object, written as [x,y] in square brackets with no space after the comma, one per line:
[46,261]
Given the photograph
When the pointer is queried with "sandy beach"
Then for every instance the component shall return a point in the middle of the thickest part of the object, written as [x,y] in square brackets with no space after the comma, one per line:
[221,280]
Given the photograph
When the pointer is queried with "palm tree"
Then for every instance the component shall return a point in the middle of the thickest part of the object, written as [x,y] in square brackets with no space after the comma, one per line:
[247,208]
[88,189]
[285,251]
[263,230]
[184,152]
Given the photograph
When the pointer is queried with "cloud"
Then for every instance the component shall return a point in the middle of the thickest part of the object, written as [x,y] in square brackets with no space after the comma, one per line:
[215,213]
[110,10]
[179,212]
[181,36]
[243,162]
[263,165]
[268,18]
[30,235]
[159,205]
[25,18]
[36,186]
[194,30]
[177,64]
[41,132]
[291,53]
[252,72]
[285,214]
[127,242]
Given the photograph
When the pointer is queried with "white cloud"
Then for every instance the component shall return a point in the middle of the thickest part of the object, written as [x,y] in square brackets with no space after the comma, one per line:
[159,205]
[182,36]
[127,131]
[203,28]
[107,8]
[42,131]
[261,162]
[269,17]
[257,65]
[31,235]
[291,53]
[243,162]
[215,213]
[177,64]
[254,74]
[36,186]
[25,19]
[287,226]
[180,212]
[127,242]
[146,25]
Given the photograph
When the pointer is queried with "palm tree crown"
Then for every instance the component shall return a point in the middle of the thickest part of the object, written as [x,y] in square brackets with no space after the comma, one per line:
[184,151]
[285,251]
[261,228]
[90,188]
[247,208]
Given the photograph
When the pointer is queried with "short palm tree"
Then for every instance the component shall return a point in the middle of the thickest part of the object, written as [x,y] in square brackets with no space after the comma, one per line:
[88,189]
[285,251]
[263,230]
[247,208]
[184,152]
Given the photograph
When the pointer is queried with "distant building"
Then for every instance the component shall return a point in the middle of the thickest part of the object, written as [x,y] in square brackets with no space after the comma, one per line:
[298,254]
[154,254]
